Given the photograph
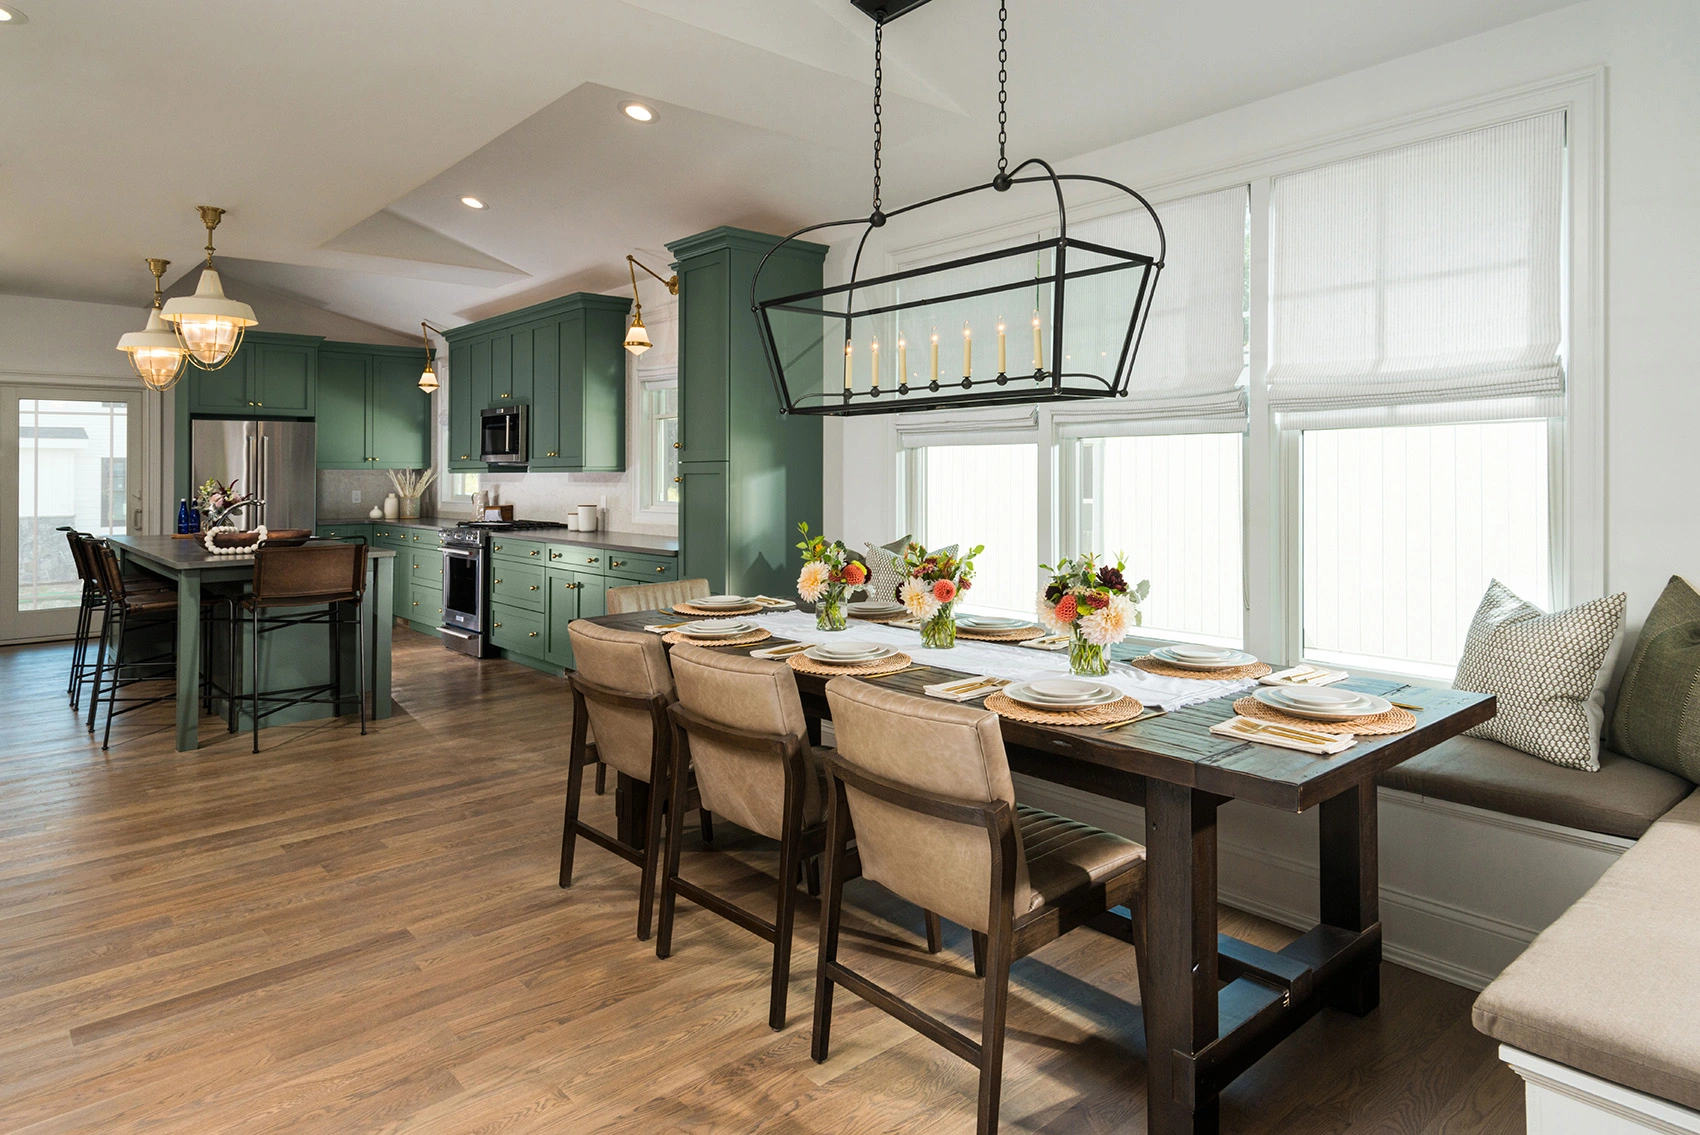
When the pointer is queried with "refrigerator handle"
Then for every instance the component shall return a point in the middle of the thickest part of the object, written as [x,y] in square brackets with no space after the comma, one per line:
[265,478]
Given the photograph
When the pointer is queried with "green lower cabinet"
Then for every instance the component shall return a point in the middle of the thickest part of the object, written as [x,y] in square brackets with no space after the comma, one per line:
[424,608]
[344,532]
[572,595]
[518,630]
[705,518]
[638,568]
[520,584]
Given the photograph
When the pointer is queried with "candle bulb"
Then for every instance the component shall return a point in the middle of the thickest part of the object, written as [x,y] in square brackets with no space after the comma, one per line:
[967,352]
[848,348]
[902,361]
[1038,347]
[1003,367]
[874,363]
[935,354]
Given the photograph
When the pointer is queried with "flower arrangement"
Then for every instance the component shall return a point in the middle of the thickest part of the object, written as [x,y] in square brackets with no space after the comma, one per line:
[829,572]
[935,582]
[219,502]
[1093,605]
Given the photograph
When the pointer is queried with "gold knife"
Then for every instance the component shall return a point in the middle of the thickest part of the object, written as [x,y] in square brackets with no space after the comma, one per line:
[1291,734]
[1407,705]
[1147,715]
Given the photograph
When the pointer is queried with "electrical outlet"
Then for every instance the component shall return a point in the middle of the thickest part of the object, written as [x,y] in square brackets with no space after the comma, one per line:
[356,496]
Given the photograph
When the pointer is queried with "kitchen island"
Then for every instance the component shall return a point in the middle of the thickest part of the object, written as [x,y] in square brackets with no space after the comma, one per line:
[295,657]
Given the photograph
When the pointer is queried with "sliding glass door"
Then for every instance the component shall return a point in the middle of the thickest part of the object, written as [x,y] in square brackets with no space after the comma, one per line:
[65,459]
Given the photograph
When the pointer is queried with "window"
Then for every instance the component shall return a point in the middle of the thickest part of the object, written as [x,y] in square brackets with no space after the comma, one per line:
[114,493]
[661,442]
[462,486]
[982,494]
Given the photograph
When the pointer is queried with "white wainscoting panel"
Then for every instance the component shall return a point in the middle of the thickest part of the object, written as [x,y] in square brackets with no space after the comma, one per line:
[1559,1100]
[1463,890]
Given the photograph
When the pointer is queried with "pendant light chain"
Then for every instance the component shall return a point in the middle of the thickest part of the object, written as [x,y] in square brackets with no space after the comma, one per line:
[1003,88]
[879,79]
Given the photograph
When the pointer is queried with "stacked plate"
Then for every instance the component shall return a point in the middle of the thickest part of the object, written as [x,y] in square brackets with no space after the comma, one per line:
[1321,704]
[991,624]
[874,608]
[1203,657]
[848,653]
[719,602]
[1060,695]
[717,628]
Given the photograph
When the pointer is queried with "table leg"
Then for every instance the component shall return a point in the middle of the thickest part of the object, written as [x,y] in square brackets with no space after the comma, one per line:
[188,661]
[1181,1014]
[381,597]
[1350,889]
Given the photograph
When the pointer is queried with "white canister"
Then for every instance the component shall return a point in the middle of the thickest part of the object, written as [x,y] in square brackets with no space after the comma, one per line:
[587,518]
[392,507]
[572,522]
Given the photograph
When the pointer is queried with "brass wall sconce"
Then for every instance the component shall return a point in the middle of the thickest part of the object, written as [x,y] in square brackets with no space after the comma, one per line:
[637,336]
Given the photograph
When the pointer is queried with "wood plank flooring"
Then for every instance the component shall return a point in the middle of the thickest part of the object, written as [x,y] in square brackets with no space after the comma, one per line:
[346,934]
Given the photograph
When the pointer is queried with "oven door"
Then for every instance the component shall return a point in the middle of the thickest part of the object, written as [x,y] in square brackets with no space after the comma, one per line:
[502,439]
[463,589]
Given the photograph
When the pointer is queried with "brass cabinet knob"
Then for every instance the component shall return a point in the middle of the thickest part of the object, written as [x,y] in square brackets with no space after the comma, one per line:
[592,559]
[554,555]
[532,634]
[466,457]
[495,547]
[678,480]
[534,587]
[495,581]
[678,445]
[498,626]
[415,567]
[416,602]
[259,403]
[661,569]
[616,563]
[533,552]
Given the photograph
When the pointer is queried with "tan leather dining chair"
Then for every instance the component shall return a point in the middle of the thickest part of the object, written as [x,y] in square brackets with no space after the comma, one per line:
[622,687]
[924,787]
[655,596]
[740,730]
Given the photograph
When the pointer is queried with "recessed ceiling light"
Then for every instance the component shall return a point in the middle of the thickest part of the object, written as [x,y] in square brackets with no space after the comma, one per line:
[638,112]
[472,202]
[12,16]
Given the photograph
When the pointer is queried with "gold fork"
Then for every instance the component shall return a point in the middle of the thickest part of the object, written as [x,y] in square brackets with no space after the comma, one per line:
[1147,715]
[1291,734]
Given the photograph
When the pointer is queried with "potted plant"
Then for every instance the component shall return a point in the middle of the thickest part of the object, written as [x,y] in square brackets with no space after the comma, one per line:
[829,572]
[935,582]
[1094,606]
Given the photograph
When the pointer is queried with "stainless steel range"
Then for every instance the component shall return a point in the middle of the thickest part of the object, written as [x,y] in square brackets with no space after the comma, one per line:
[466,590]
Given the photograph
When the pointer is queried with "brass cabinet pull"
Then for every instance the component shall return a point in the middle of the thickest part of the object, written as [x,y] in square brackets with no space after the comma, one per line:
[415,567]
[466,457]
[416,602]
[495,547]
[533,634]
[534,587]
[554,555]
[661,569]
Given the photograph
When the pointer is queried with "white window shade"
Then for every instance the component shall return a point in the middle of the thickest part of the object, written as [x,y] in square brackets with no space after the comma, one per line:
[1192,355]
[1425,275]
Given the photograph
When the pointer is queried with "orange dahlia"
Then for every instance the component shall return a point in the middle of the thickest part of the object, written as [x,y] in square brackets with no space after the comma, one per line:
[944,591]
[1067,609]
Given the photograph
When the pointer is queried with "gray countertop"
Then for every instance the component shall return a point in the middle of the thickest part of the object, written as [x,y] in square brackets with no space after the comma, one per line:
[189,555]
[611,540]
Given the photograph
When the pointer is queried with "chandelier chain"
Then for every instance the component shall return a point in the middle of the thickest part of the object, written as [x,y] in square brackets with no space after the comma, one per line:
[1003,88]
[879,77]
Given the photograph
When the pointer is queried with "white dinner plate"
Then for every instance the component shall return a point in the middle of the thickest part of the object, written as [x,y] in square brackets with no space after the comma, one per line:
[709,601]
[1201,653]
[873,607]
[1321,698]
[1062,694]
[1228,662]
[1370,707]
[838,654]
[716,628]
[991,622]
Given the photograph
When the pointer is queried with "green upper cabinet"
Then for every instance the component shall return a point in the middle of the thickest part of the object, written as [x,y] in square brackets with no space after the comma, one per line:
[372,414]
[563,360]
[271,376]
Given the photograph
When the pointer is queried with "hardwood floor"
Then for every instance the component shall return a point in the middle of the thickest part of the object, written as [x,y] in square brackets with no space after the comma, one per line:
[346,934]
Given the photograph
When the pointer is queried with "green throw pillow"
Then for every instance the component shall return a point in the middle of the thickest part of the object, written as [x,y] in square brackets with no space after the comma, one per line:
[1657,718]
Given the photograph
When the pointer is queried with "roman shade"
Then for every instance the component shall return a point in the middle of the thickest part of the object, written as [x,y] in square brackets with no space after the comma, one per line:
[1426,275]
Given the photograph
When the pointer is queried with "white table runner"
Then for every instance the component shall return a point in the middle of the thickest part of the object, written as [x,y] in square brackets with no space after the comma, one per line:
[1003,660]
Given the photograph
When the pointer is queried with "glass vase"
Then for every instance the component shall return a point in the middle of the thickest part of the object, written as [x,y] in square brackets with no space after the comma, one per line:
[939,632]
[829,611]
[1087,660]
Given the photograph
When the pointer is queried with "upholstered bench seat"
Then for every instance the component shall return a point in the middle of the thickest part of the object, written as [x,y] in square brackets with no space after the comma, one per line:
[1610,988]
[1622,799]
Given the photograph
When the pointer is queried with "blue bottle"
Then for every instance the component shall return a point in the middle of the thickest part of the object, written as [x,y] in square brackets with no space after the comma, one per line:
[194,519]
[183,516]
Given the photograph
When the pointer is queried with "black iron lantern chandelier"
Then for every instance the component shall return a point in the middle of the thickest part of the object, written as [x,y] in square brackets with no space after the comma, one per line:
[990,328]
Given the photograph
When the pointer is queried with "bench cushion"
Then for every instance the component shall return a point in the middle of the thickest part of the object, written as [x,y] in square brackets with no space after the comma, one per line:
[1622,799]
[1610,987]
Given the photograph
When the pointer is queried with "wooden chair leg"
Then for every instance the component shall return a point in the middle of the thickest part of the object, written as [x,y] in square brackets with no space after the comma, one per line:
[832,904]
[935,933]
[651,858]
[601,778]
[979,941]
[569,828]
[675,840]
[784,920]
[705,823]
[811,875]
[991,1033]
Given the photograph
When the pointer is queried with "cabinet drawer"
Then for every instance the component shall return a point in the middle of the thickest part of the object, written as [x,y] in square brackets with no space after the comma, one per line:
[522,550]
[636,566]
[425,606]
[424,565]
[344,532]
[520,631]
[578,558]
[390,536]
[519,583]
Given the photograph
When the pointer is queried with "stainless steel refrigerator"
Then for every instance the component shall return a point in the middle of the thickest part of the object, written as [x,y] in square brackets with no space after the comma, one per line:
[275,460]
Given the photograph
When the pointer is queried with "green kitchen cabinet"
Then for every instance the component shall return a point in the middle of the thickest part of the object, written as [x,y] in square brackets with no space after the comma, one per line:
[572,595]
[343,400]
[272,375]
[372,413]
[344,532]
[748,475]
[518,630]
[546,397]
[463,426]
[400,416]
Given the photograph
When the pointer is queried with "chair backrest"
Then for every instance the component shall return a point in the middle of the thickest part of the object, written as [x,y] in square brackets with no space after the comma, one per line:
[649,596]
[741,764]
[309,575]
[928,749]
[80,555]
[617,673]
[107,572]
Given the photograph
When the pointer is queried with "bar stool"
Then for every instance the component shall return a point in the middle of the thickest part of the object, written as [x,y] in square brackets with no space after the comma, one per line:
[91,603]
[127,605]
[739,729]
[328,576]
[925,789]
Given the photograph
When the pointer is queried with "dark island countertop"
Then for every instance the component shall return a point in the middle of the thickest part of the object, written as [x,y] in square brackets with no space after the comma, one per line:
[191,555]
[613,541]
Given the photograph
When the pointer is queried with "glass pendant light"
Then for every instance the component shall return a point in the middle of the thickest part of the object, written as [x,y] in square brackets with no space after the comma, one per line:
[428,378]
[637,335]
[155,355]
[209,326]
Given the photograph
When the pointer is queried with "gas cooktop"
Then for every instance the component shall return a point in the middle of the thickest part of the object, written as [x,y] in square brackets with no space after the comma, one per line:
[510,525]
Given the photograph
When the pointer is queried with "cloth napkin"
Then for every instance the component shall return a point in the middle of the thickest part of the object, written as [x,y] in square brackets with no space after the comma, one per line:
[1050,642]
[1285,677]
[965,689]
[1262,733]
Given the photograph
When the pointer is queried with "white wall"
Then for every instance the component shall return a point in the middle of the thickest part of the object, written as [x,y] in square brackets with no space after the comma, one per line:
[1651,52]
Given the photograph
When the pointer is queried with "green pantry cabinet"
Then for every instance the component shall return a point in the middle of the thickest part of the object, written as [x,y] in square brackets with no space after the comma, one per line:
[748,475]
[536,589]
[564,361]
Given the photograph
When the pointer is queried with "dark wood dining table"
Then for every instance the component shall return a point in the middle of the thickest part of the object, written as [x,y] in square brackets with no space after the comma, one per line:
[1216,1004]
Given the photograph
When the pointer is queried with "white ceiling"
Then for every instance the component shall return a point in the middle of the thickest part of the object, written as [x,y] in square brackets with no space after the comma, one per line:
[341,135]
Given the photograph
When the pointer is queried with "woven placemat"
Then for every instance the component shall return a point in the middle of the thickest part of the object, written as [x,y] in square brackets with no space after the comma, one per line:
[1153,666]
[888,617]
[716,612]
[1395,720]
[760,634]
[1019,634]
[887,665]
[1119,710]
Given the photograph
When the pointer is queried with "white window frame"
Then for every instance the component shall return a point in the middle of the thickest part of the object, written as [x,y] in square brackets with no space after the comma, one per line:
[1271,498]
[646,379]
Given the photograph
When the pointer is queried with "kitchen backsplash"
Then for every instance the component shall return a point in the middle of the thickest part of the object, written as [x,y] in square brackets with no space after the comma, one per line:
[338,486]
[550,496]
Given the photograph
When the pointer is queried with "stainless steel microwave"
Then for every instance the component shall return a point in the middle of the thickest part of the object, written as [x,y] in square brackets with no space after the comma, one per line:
[502,441]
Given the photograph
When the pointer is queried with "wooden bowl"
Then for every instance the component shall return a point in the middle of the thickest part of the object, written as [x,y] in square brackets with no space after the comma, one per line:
[288,537]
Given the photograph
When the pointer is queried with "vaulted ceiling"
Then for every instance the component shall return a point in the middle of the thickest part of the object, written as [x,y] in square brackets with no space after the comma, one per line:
[341,134]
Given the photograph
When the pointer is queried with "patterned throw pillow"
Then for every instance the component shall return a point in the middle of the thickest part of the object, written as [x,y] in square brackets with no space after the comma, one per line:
[885,567]
[1549,673]
[1657,716]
